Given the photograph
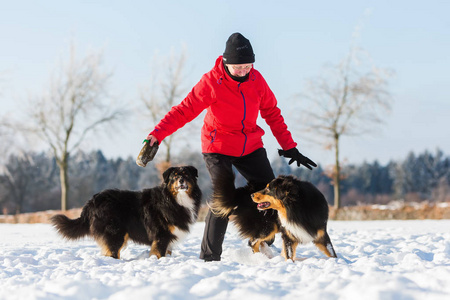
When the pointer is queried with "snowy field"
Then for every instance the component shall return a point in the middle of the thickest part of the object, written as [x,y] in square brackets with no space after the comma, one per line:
[377,260]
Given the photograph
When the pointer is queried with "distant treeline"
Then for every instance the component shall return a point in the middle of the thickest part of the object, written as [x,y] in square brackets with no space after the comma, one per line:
[30,181]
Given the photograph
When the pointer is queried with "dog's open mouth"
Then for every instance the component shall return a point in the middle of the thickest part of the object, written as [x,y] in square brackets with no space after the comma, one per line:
[182,187]
[263,205]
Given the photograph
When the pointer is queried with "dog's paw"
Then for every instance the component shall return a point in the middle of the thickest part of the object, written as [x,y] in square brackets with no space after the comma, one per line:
[265,249]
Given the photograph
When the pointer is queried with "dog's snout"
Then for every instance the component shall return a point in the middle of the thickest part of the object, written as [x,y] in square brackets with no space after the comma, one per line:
[181,181]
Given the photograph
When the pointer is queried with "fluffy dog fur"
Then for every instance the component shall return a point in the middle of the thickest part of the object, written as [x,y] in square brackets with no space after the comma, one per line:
[259,227]
[302,211]
[158,217]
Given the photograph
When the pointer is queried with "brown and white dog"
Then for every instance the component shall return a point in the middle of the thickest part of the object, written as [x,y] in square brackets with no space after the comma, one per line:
[302,212]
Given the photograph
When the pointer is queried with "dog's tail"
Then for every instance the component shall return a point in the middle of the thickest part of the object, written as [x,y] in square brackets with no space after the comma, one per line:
[223,200]
[72,229]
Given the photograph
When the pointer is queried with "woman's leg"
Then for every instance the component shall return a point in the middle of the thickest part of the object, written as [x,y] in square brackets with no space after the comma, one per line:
[215,227]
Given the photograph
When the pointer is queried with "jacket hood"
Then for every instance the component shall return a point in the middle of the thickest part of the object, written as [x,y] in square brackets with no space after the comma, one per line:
[219,68]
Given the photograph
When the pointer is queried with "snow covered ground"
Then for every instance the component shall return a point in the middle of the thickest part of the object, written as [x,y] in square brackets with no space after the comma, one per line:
[377,260]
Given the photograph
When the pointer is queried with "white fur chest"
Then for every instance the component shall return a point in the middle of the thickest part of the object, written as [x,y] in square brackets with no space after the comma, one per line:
[185,200]
[297,231]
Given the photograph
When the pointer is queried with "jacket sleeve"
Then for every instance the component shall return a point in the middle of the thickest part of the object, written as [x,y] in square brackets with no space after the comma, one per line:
[198,99]
[272,115]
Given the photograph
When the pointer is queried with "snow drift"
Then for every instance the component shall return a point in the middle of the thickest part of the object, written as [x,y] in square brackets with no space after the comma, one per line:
[376,260]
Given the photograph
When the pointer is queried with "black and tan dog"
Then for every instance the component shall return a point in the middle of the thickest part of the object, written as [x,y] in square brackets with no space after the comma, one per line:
[158,217]
[256,226]
[302,211]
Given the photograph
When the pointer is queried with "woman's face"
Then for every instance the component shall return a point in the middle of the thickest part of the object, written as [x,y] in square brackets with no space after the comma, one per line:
[239,70]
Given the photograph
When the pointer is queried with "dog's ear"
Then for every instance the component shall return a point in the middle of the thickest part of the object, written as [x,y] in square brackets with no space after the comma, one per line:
[290,187]
[192,170]
[167,173]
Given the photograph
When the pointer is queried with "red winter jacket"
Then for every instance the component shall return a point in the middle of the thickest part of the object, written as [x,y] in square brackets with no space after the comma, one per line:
[232,109]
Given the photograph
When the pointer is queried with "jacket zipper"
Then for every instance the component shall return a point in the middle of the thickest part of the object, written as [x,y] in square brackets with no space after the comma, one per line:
[242,122]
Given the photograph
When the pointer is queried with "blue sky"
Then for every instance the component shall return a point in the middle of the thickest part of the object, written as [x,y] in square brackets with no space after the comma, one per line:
[292,41]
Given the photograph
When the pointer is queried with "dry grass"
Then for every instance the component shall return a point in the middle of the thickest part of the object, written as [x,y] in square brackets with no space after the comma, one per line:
[394,211]
[39,217]
[399,211]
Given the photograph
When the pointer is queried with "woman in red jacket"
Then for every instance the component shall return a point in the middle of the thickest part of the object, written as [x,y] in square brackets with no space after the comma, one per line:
[233,93]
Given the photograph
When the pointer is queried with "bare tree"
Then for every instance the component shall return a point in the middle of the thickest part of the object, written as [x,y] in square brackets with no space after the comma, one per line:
[165,92]
[75,104]
[7,130]
[350,99]
[18,177]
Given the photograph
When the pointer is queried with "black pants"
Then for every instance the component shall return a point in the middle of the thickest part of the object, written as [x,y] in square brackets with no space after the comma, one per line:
[254,167]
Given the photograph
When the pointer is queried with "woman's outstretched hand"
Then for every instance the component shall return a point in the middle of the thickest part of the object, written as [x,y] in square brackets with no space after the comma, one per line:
[295,155]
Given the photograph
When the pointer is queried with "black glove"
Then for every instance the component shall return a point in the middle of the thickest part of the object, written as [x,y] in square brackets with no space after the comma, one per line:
[294,155]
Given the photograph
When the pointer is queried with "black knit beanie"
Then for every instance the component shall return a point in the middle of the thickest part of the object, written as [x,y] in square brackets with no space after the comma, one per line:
[238,50]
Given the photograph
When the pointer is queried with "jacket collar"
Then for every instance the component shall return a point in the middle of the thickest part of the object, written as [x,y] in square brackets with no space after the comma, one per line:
[219,69]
